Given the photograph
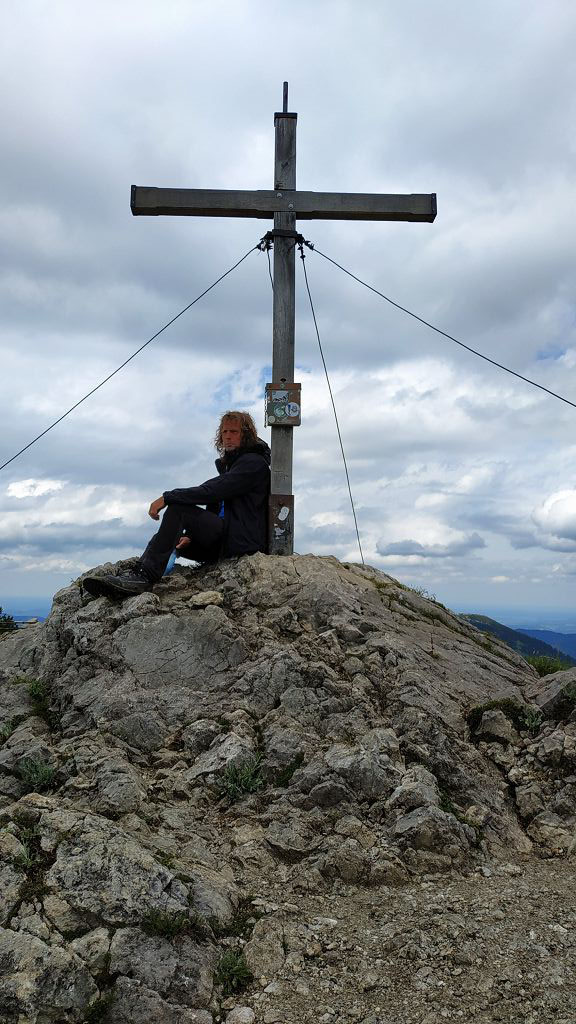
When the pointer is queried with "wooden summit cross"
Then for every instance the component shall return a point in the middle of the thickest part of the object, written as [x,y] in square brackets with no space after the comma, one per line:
[285,205]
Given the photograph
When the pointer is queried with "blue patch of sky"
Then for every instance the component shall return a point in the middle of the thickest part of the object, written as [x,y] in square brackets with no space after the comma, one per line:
[26,607]
[550,354]
[222,396]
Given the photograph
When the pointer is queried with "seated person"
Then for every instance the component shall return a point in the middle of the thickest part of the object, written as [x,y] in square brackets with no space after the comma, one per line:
[234,522]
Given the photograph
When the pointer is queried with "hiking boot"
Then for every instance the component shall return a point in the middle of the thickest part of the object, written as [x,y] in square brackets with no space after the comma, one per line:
[126,584]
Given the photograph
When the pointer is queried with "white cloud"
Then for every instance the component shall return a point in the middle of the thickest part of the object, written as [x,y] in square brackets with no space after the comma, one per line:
[557,514]
[33,488]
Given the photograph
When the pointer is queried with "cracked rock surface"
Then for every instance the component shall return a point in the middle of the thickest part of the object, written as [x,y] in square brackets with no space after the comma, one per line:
[295,765]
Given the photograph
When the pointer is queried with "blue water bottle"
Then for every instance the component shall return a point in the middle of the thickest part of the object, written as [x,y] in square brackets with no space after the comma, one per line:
[171,563]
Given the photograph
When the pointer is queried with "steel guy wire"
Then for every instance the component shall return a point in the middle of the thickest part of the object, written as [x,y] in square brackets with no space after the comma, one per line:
[332,400]
[444,334]
[130,358]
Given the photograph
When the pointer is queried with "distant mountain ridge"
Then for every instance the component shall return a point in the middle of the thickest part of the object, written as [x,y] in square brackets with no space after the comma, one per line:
[522,641]
[564,642]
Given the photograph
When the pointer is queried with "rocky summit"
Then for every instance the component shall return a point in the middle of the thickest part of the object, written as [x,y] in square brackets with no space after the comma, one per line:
[282,790]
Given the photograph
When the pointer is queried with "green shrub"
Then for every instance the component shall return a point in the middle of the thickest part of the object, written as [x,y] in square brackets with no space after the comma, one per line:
[30,859]
[37,775]
[523,716]
[511,708]
[546,664]
[7,729]
[533,720]
[232,972]
[172,923]
[7,624]
[39,695]
[447,805]
[422,592]
[35,861]
[241,778]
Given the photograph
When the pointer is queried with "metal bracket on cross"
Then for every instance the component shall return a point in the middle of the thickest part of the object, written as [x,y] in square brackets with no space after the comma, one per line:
[267,240]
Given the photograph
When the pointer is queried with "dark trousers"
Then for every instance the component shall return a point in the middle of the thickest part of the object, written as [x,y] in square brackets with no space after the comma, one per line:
[203,528]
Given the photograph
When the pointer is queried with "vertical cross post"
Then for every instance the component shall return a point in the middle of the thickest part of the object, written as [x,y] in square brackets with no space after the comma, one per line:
[281,500]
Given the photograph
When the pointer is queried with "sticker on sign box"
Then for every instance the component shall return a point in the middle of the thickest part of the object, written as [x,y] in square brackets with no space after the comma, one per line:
[283,405]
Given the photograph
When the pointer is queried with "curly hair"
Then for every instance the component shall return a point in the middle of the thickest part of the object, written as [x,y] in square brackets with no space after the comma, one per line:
[249,433]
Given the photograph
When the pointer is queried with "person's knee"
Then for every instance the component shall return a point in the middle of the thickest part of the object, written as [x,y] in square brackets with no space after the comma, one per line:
[172,515]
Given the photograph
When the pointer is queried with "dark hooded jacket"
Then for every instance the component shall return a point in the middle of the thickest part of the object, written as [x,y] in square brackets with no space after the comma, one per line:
[243,484]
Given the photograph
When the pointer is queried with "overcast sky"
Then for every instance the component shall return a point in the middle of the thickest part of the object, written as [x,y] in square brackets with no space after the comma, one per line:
[464,477]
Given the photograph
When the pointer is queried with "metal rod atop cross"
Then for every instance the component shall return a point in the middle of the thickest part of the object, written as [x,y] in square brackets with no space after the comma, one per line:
[285,205]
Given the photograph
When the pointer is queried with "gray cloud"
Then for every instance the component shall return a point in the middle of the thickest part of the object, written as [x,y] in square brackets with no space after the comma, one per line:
[455,548]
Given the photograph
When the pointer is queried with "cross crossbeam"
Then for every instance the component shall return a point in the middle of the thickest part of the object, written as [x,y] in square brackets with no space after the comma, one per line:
[205,202]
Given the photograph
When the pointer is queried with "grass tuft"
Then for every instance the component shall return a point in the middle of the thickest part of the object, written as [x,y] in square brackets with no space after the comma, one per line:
[232,972]
[35,862]
[7,729]
[241,778]
[169,924]
[533,719]
[37,775]
[39,695]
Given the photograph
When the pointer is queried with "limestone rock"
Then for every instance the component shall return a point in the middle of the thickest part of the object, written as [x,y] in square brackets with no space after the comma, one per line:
[198,736]
[429,828]
[368,773]
[93,948]
[205,598]
[40,981]
[555,694]
[11,882]
[418,788]
[227,749]
[495,725]
[135,1003]
[180,971]
[550,748]
[550,831]
[529,799]
[276,728]
[241,1015]
[265,952]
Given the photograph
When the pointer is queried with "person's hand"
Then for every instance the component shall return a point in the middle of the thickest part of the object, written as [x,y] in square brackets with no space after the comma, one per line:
[183,543]
[154,510]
